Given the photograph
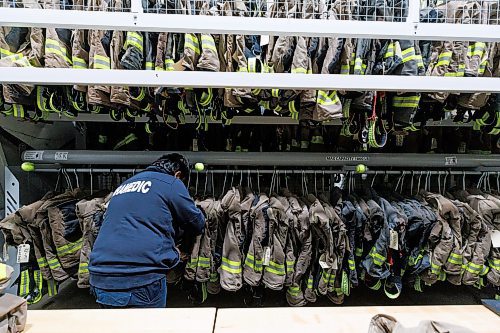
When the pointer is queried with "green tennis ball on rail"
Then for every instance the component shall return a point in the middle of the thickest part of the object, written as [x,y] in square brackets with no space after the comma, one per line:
[199,166]
[361,168]
[28,167]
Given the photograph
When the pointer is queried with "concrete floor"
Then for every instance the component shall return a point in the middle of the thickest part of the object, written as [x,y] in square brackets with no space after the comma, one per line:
[442,293]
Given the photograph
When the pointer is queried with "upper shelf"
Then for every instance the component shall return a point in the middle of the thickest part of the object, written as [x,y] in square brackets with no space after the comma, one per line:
[404,23]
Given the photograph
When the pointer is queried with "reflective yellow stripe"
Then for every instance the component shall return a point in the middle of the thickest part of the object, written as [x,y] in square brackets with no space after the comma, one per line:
[324,99]
[18,110]
[42,262]
[444,58]
[134,39]
[310,283]
[53,46]
[300,70]
[83,268]
[51,284]
[293,291]
[494,263]
[231,266]
[408,54]
[256,265]
[24,283]
[101,62]
[327,277]
[69,248]
[203,262]
[275,268]
[169,64]
[378,259]
[275,92]
[149,65]
[79,63]
[358,64]
[344,69]
[420,60]
[352,264]
[207,42]
[406,101]
[390,51]
[191,42]
[5,53]
[435,269]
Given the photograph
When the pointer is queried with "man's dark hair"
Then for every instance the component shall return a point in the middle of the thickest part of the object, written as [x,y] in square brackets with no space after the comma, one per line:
[171,163]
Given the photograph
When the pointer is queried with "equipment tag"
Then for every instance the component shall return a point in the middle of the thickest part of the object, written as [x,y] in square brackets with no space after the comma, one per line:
[399,140]
[434,143]
[267,256]
[495,238]
[394,240]
[323,264]
[450,160]
[264,40]
[23,253]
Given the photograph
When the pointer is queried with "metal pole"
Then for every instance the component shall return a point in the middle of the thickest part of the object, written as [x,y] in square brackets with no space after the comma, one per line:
[270,171]
[257,159]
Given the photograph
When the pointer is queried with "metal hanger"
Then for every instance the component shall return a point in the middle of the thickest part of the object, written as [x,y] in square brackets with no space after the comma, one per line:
[258,181]
[315,186]
[91,182]
[373,179]
[224,184]
[77,180]
[439,182]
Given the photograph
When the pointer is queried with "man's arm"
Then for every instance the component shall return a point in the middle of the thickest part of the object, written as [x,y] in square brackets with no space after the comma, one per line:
[184,211]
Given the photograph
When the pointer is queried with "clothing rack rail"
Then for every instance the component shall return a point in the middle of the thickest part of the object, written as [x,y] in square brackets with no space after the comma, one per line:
[276,171]
[268,159]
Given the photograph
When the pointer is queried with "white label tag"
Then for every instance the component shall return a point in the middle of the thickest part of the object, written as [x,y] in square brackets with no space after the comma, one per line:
[462,147]
[399,140]
[394,240]
[323,264]
[451,160]
[434,143]
[195,144]
[495,238]
[61,156]
[23,253]
[267,256]
[264,40]
[35,155]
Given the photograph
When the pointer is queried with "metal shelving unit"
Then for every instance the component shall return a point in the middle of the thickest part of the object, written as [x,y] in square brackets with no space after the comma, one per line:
[136,19]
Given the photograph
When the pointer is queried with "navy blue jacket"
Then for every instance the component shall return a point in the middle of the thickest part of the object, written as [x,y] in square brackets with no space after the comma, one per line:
[135,245]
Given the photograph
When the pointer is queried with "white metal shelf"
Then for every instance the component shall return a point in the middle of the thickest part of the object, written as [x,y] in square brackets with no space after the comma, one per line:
[62,76]
[237,120]
[412,29]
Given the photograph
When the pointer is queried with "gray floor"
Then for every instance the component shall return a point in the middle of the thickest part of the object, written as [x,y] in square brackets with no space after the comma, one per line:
[442,293]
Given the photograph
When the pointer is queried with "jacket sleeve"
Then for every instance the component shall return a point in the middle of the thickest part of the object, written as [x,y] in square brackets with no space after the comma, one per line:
[184,211]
